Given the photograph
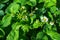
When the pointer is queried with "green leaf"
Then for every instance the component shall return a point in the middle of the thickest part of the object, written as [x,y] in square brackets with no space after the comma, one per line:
[32,17]
[12,8]
[16,1]
[39,35]
[16,26]
[49,3]
[24,18]
[54,28]
[50,15]
[1,12]
[45,38]
[31,2]
[54,35]
[36,24]
[48,30]
[6,20]
[46,1]
[58,21]
[14,34]
[23,2]
[54,1]
[3,1]
[53,9]
[2,33]
[25,28]
[47,27]
[2,5]
[33,38]
[57,13]
[40,1]
[43,10]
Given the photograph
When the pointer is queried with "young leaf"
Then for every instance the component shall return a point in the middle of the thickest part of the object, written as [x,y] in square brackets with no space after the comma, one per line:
[32,17]
[36,24]
[25,28]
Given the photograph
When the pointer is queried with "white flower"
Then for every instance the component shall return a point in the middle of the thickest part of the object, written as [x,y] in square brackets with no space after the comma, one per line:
[21,39]
[57,9]
[24,17]
[54,39]
[51,23]
[36,8]
[44,19]
[23,7]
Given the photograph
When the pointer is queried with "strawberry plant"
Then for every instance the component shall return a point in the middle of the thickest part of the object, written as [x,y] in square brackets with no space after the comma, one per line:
[29,20]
